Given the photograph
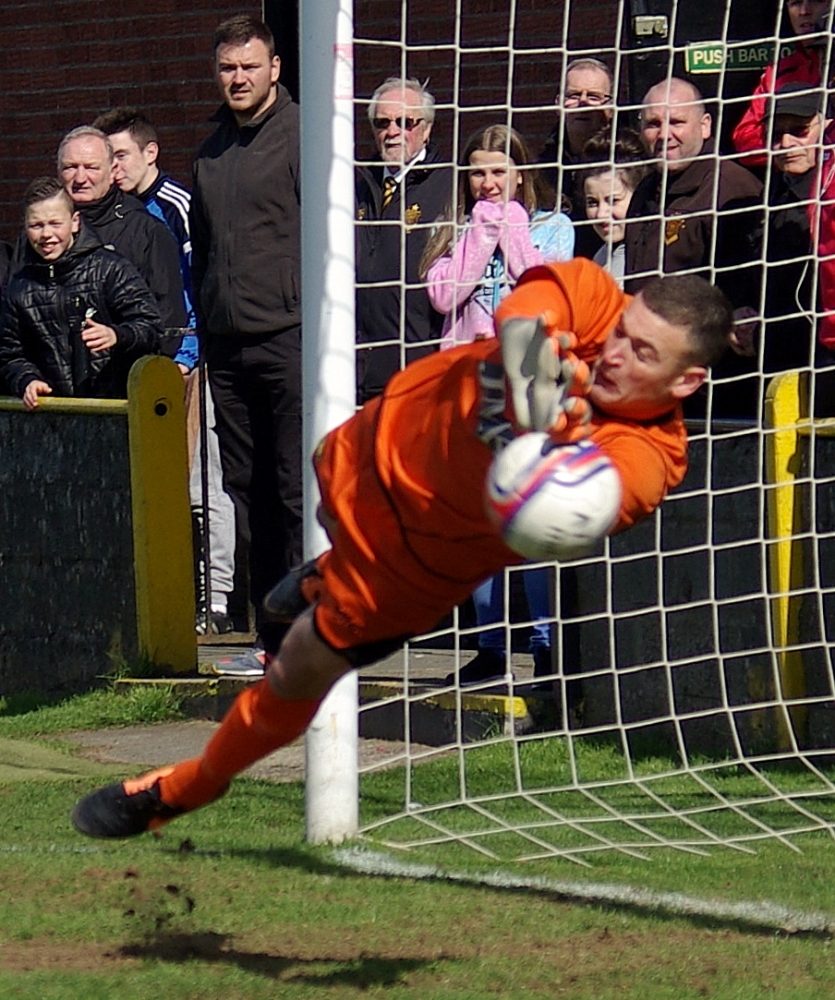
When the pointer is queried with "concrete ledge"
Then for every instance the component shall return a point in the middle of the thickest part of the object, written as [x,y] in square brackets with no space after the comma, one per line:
[432,718]
[438,718]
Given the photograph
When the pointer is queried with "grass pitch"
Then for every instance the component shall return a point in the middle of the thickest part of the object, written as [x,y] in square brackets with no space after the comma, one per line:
[231,902]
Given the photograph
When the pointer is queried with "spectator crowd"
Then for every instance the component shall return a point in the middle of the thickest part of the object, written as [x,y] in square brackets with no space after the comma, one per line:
[117,259]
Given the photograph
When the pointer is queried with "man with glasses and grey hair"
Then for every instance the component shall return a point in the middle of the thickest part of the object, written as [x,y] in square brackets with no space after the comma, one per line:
[410,185]
[585,107]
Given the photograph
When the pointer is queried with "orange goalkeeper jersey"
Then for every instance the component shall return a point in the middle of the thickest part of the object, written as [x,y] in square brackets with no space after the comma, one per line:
[404,477]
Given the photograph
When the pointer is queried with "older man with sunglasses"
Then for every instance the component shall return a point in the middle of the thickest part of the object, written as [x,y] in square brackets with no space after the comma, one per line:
[398,199]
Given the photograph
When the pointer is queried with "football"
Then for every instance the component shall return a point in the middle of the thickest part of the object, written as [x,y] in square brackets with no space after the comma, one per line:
[552,501]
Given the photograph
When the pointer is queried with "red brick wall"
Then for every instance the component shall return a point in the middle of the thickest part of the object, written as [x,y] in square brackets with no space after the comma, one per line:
[483,56]
[63,63]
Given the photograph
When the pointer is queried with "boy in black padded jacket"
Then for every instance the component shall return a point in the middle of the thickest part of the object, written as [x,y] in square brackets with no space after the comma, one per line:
[77,315]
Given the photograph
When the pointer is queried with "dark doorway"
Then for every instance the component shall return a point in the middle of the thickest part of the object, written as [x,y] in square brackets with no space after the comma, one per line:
[282,16]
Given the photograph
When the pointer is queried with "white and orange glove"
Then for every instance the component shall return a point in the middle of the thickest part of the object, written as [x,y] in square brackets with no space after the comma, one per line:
[548,382]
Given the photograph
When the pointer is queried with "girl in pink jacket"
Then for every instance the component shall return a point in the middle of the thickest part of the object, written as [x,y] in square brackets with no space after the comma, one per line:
[501,229]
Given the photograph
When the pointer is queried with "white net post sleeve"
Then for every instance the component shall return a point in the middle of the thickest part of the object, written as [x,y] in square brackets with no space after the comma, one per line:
[327,138]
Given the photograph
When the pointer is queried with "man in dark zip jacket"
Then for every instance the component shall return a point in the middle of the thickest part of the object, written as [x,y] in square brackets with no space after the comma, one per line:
[245,269]
[85,166]
[698,212]
[77,315]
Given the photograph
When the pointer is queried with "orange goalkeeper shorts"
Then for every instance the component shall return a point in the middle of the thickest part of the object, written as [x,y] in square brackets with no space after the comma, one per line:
[376,592]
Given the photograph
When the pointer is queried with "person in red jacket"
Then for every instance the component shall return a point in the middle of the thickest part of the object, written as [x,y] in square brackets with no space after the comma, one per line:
[402,486]
[822,223]
[808,20]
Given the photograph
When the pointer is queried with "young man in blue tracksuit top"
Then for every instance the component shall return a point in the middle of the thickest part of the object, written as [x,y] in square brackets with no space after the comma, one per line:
[135,152]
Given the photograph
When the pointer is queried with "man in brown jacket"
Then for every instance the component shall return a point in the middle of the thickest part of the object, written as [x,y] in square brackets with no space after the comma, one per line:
[696,212]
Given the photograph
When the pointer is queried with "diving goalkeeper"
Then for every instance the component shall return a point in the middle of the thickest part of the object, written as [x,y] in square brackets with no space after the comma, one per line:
[402,495]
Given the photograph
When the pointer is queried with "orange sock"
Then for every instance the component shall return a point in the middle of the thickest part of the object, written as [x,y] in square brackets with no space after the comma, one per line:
[257,723]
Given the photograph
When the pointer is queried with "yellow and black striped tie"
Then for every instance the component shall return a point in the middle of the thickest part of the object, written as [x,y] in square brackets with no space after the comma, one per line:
[389,187]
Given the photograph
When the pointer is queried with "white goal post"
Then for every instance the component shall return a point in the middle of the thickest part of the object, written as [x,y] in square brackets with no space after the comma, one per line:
[692,700]
[327,136]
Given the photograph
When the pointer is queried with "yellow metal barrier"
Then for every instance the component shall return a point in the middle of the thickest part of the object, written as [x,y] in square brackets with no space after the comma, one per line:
[788,429]
[163,563]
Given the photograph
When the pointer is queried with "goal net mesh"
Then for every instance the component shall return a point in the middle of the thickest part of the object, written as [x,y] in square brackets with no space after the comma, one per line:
[690,701]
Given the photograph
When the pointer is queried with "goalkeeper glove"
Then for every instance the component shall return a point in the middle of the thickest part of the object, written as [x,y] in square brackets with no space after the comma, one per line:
[548,382]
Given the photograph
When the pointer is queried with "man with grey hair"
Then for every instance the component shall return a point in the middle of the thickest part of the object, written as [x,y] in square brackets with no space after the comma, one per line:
[585,107]
[85,168]
[409,185]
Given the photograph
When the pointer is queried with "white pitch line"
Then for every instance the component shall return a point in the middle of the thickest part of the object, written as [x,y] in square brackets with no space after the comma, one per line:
[773,916]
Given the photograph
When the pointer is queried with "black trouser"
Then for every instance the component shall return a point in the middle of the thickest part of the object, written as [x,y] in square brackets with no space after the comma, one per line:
[256,384]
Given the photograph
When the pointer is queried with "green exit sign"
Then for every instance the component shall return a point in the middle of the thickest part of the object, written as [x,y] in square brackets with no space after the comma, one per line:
[711,57]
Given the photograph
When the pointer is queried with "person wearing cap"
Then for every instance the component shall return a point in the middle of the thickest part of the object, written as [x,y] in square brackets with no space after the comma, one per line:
[794,126]
[822,216]
[808,21]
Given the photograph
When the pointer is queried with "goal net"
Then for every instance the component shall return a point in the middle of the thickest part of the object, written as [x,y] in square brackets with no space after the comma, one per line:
[687,701]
